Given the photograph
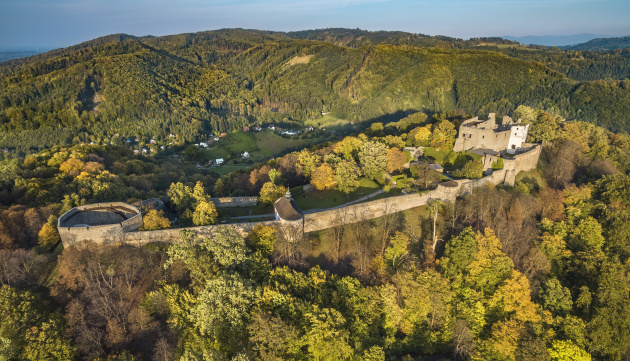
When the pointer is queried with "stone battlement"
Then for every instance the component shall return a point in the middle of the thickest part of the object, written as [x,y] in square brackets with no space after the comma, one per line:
[98,222]
[223,202]
[127,230]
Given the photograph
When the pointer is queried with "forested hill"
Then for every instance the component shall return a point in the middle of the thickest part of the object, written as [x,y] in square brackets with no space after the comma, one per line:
[217,81]
[602,44]
[356,38]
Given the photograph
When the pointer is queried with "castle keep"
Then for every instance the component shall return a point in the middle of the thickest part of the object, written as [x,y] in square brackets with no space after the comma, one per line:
[487,134]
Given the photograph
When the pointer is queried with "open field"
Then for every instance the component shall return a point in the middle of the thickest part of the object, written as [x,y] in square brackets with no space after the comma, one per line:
[270,144]
[331,198]
[233,145]
[260,145]
[327,121]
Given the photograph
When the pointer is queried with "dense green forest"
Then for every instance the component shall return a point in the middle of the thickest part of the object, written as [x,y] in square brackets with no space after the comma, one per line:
[602,44]
[539,271]
[219,81]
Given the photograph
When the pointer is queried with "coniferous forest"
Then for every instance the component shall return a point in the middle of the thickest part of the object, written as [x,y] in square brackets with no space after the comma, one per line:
[535,271]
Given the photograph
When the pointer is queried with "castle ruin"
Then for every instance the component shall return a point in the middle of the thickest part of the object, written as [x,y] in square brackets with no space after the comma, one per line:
[487,134]
[118,222]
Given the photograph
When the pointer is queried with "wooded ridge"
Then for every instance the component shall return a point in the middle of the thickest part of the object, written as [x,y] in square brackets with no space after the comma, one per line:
[219,81]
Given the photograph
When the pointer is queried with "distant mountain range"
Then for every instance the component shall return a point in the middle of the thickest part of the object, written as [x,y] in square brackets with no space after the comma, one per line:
[15,54]
[555,40]
[10,53]
[602,44]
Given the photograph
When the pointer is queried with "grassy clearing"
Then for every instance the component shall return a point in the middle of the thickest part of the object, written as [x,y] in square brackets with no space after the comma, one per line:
[450,160]
[327,120]
[272,144]
[331,197]
[260,145]
[437,155]
[233,145]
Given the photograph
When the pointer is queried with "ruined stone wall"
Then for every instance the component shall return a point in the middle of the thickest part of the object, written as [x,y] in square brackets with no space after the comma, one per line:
[321,220]
[172,235]
[487,161]
[234,201]
[375,209]
[521,162]
[100,224]
[485,134]
[482,138]
[98,234]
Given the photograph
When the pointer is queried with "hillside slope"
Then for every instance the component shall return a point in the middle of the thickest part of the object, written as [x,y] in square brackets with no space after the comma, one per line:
[191,84]
[600,44]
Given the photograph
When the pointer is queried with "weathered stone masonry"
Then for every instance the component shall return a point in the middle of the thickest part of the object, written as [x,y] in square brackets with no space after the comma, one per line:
[127,230]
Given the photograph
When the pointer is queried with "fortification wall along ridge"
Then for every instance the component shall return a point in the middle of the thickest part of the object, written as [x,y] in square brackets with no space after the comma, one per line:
[172,235]
[448,191]
[223,202]
[521,162]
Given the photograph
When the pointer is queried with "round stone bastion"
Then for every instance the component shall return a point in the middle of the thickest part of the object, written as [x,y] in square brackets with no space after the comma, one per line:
[99,223]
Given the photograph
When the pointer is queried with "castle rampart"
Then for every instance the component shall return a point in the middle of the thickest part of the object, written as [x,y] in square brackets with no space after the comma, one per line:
[127,230]
[98,222]
[222,202]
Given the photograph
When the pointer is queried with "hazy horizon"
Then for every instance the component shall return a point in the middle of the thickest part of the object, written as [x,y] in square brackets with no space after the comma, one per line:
[59,23]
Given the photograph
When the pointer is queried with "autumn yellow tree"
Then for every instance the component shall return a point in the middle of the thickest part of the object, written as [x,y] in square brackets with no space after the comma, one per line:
[72,166]
[48,235]
[443,136]
[270,193]
[348,147]
[323,177]
[420,136]
[205,213]
[308,161]
[154,220]
[395,160]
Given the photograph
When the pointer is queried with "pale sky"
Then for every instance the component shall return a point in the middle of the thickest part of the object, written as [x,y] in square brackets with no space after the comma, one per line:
[59,23]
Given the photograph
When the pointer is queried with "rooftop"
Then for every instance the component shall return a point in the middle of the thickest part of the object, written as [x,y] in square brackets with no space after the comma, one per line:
[288,209]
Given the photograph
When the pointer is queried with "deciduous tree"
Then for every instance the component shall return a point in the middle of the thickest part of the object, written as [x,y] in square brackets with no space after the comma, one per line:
[395,160]
[443,136]
[373,159]
[205,213]
[270,193]
[323,177]
[347,176]
[153,220]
